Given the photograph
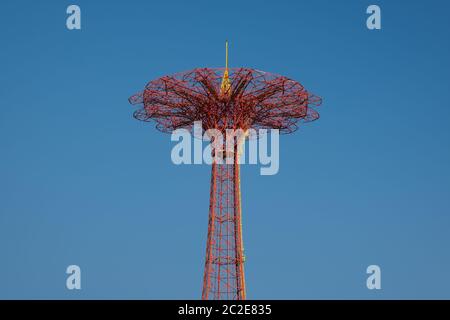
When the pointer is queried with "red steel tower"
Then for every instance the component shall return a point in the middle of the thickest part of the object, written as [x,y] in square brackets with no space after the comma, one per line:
[225,98]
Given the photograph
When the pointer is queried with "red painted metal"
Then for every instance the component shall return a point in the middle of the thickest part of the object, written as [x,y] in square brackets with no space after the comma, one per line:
[224,276]
[254,100]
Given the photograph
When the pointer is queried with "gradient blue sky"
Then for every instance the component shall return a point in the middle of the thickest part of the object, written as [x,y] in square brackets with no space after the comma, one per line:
[82,182]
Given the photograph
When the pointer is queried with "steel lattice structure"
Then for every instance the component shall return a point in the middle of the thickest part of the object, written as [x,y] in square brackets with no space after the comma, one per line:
[255,99]
[225,98]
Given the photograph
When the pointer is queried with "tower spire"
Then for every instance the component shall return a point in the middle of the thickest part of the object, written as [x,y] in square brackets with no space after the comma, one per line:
[225,86]
[226,54]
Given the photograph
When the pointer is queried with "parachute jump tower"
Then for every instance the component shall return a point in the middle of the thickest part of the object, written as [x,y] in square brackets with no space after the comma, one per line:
[225,98]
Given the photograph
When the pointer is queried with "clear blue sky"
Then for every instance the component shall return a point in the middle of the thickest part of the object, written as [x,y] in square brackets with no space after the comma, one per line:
[82,182]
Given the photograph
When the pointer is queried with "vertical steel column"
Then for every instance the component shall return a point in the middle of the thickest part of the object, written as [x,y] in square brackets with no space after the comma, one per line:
[224,272]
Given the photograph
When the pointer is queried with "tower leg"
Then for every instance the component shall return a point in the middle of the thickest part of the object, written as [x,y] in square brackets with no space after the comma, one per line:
[224,270]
